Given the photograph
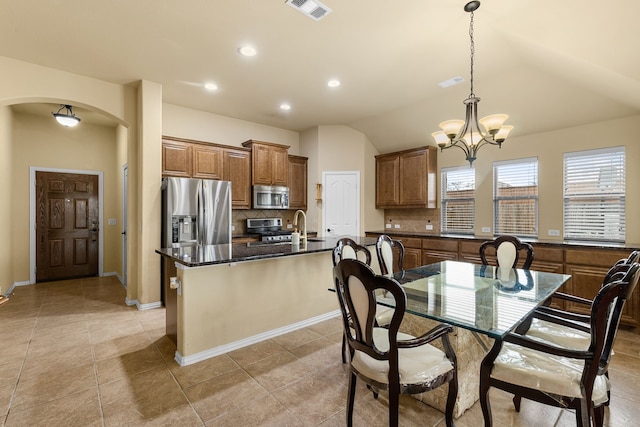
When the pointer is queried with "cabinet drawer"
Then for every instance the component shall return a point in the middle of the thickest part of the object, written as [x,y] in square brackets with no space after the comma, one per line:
[449,245]
[470,247]
[552,254]
[600,258]
[411,242]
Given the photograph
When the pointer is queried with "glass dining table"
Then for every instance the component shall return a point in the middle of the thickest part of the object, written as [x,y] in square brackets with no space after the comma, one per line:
[484,299]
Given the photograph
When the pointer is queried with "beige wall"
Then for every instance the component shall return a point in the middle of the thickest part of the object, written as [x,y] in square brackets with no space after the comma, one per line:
[41,142]
[184,122]
[548,148]
[6,172]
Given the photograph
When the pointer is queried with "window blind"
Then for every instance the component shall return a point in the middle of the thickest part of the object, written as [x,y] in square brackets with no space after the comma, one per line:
[515,196]
[594,195]
[458,207]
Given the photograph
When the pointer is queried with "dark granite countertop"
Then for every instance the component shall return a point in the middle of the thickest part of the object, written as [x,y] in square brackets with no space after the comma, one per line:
[195,256]
[586,244]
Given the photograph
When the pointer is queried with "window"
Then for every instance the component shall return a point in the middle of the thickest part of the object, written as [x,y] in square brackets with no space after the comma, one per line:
[458,200]
[515,197]
[594,195]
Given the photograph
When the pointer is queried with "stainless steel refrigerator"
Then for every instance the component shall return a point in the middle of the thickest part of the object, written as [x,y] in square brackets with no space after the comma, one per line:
[195,211]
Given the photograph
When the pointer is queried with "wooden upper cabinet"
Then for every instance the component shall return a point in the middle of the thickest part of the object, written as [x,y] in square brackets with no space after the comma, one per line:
[387,182]
[207,162]
[407,179]
[297,182]
[237,169]
[269,163]
[176,158]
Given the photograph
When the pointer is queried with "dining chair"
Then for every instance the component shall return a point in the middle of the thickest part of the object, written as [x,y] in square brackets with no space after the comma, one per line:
[558,376]
[507,251]
[347,248]
[384,358]
[385,248]
[576,335]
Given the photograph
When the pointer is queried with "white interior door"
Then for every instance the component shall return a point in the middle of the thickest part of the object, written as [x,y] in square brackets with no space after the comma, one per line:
[341,207]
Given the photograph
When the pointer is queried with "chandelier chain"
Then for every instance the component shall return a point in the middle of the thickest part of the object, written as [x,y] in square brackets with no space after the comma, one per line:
[472,51]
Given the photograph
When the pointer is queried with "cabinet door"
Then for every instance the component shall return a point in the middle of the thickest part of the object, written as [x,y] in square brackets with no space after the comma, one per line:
[207,162]
[413,178]
[262,167]
[237,169]
[297,182]
[412,258]
[387,184]
[176,159]
[280,166]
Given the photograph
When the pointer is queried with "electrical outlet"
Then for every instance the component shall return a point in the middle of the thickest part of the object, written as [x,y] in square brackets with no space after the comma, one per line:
[553,232]
[233,228]
[429,226]
[112,221]
[289,225]
[396,225]
[486,229]
[387,225]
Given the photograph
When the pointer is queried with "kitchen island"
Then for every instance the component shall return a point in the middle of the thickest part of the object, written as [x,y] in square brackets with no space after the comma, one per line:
[220,298]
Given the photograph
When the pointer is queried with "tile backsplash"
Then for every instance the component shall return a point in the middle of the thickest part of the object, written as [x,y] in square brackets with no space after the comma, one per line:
[413,220]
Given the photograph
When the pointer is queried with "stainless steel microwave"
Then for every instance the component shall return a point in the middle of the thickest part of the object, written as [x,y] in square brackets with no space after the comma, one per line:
[270,197]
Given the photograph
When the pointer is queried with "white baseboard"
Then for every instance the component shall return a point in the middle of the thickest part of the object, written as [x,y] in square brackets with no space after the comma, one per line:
[216,351]
[147,306]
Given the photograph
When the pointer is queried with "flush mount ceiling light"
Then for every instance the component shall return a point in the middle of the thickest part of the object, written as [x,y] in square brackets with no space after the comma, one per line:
[312,8]
[333,83]
[211,86]
[67,119]
[285,107]
[248,51]
[468,135]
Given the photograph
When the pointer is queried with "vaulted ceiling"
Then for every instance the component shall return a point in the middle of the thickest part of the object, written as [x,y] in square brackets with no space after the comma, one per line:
[549,64]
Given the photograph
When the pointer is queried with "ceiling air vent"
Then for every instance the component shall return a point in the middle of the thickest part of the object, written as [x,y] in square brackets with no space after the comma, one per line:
[313,9]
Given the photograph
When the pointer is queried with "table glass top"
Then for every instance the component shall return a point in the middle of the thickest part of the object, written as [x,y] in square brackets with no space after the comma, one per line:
[486,299]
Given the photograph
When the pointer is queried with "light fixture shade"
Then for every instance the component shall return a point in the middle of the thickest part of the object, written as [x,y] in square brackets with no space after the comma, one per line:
[493,122]
[67,119]
[503,133]
[441,138]
[469,140]
[451,127]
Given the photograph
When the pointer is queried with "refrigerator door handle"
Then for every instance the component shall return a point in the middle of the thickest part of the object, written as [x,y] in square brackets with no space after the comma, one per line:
[200,203]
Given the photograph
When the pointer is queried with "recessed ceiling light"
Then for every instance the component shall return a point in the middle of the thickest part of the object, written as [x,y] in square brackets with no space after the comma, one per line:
[248,51]
[211,86]
[333,83]
[451,82]
[285,107]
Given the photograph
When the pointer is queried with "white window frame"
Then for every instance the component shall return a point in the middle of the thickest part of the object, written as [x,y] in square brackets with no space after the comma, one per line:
[444,201]
[516,229]
[594,212]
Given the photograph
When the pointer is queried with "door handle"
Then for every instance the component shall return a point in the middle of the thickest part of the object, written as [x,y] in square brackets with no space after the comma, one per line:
[328,230]
[124,233]
[93,229]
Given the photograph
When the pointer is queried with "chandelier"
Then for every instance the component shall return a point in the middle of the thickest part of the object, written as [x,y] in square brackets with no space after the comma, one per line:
[67,119]
[468,135]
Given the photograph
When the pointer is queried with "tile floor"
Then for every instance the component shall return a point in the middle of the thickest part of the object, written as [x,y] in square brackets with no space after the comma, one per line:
[73,354]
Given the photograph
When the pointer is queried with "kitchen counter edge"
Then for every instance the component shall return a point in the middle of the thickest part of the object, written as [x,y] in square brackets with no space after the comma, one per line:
[197,256]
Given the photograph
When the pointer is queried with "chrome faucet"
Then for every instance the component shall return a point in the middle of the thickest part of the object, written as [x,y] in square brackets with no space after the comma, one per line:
[303,236]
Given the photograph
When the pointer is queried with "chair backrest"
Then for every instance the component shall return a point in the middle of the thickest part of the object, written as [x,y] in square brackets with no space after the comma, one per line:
[507,251]
[606,311]
[347,248]
[356,287]
[385,247]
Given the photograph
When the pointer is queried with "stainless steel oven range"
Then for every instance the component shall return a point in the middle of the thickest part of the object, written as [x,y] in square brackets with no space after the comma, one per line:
[269,230]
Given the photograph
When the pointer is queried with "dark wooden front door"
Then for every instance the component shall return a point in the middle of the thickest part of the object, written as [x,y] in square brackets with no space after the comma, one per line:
[66,225]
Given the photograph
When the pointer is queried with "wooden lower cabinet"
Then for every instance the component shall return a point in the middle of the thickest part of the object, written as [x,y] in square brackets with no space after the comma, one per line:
[587,269]
[412,252]
[437,250]
[587,266]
